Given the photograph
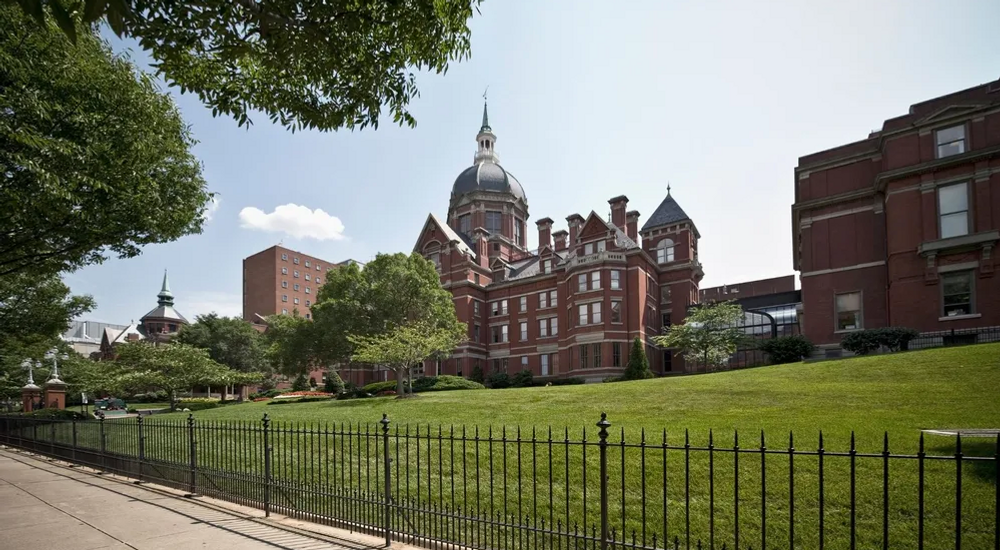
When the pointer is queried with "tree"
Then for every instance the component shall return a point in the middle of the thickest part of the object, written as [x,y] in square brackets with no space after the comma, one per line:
[289,343]
[141,367]
[94,160]
[710,333]
[229,340]
[324,65]
[406,345]
[300,383]
[638,365]
[334,383]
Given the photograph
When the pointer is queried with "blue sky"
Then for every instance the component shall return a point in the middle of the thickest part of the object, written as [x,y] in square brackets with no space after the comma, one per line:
[589,100]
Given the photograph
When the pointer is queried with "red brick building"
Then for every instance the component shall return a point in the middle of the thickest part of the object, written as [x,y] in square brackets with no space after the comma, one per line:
[573,306]
[901,228]
[280,280]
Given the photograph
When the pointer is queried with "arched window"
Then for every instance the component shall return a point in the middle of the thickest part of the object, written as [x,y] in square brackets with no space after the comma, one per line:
[665,251]
[432,251]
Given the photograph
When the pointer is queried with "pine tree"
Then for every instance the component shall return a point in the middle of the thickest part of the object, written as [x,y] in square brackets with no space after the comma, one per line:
[334,383]
[638,365]
[477,374]
[300,383]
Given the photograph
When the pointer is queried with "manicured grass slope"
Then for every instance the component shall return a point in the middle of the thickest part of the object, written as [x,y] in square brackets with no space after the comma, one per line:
[900,393]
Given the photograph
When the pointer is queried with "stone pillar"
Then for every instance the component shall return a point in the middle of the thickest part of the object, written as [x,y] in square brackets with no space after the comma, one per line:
[55,394]
[29,397]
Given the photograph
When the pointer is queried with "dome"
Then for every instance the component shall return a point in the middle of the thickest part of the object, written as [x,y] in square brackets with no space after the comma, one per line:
[487,176]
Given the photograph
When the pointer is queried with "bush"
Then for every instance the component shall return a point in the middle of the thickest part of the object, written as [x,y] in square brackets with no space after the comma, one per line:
[638,365]
[522,379]
[445,382]
[267,393]
[198,403]
[572,381]
[613,379]
[376,387]
[863,342]
[334,383]
[498,380]
[151,397]
[297,400]
[897,338]
[300,383]
[424,383]
[477,374]
[787,349]
[58,414]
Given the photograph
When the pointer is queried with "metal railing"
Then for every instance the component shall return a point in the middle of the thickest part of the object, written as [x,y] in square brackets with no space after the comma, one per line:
[514,489]
[955,337]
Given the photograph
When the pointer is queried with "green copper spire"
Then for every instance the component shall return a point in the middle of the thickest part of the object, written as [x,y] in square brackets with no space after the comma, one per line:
[165,297]
[486,120]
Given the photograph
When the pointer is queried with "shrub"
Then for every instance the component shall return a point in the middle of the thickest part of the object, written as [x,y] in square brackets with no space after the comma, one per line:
[375,387]
[334,383]
[638,366]
[385,393]
[445,382]
[58,414]
[787,349]
[198,403]
[861,342]
[897,338]
[267,393]
[522,379]
[613,379]
[866,341]
[498,380]
[477,374]
[151,397]
[424,383]
[297,400]
[300,383]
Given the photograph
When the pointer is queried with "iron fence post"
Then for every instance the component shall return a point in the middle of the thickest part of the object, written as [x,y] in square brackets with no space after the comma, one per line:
[142,447]
[194,460]
[267,466]
[73,429]
[603,445]
[388,479]
[52,437]
[104,443]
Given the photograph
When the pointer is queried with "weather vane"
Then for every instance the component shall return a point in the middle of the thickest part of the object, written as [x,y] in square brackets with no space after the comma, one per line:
[485,91]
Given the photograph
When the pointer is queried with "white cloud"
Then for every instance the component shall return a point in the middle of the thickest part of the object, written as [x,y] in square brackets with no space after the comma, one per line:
[294,220]
[203,302]
[211,208]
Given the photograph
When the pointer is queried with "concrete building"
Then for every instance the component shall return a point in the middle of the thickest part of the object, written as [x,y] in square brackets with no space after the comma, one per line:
[85,336]
[573,306]
[901,228]
[281,280]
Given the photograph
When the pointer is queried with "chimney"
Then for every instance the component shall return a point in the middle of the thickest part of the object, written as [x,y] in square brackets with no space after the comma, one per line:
[544,232]
[560,237]
[574,221]
[481,246]
[618,206]
[632,225]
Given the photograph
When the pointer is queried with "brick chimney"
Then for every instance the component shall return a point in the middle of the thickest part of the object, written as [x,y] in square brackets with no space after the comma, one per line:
[632,225]
[481,246]
[574,221]
[560,237]
[618,206]
[544,232]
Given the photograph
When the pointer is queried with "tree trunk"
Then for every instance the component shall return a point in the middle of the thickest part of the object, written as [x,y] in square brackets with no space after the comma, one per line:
[400,391]
[173,400]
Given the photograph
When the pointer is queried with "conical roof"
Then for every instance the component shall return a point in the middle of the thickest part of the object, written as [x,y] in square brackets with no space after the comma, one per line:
[667,213]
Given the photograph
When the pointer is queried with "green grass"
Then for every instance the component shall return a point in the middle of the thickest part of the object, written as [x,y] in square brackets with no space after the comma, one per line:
[899,394]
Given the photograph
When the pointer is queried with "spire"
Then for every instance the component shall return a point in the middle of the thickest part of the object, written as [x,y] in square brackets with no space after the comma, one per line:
[486,140]
[486,120]
[165,297]
[668,188]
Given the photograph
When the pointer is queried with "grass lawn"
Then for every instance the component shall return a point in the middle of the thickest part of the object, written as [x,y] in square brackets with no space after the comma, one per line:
[899,394]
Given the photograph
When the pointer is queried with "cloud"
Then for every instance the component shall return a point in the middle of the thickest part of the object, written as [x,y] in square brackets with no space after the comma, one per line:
[203,302]
[294,220]
[211,208]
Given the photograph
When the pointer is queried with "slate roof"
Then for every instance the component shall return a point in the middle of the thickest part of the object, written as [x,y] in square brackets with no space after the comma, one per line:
[163,311]
[668,212]
[487,176]
[463,244]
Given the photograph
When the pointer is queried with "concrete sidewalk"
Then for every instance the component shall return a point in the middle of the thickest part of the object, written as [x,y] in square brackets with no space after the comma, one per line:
[49,505]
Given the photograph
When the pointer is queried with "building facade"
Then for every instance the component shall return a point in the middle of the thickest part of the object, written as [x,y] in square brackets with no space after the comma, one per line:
[901,228]
[160,324]
[573,306]
[280,281]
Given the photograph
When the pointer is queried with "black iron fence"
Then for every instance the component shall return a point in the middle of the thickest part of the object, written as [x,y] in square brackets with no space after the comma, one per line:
[955,337]
[543,489]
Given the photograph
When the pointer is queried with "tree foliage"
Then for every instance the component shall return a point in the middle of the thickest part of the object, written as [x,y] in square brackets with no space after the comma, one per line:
[710,334]
[289,341]
[406,345]
[324,65]
[94,159]
[638,365]
[229,340]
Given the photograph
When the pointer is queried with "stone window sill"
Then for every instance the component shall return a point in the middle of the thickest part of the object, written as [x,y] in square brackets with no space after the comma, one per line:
[960,317]
[950,244]
[848,331]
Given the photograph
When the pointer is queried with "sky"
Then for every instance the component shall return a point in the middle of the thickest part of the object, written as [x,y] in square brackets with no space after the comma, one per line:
[589,100]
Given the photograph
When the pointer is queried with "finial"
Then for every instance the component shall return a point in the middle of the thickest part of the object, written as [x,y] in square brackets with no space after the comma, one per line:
[668,188]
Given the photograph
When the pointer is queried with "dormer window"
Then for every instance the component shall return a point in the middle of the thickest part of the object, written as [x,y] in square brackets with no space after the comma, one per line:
[950,141]
[665,251]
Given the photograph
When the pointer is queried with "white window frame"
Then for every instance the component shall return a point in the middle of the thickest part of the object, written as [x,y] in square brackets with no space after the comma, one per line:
[665,251]
[967,212]
[860,319]
[543,328]
[595,280]
[523,304]
[619,303]
[307,290]
[583,315]
[295,301]
[544,360]
[524,331]
[524,362]
[284,271]
[284,284]
[504,333]
[554,326]
[616,279]
[543,300]
[546,266]
[962,143]
[284,311]
[553,298]
[307,263]
[295,274]
[295,261]
[295,287]
[971,274]
[595,313]
[581,282]
[284,297]
[284,257]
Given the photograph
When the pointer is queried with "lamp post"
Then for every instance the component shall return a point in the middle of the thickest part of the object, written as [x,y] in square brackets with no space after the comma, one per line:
[30,392]
[55,389]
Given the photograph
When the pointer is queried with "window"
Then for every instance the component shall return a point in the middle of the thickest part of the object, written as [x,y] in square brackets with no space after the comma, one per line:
[500,307]
[583,314]
[317,267]
[583,356]
[581,282]
[664,294]
[950,141]
[595,280]
[552,298]
[543,300]
[284,297]
[284,257]
[318,281]
[308,303]
[957,293]
[665,251]
[295,287]
[475,309]
[953,210]
[597,356]
[496,247]
[307,276]
[475,333]
[499,334]
[524,362]
[544,358]
[308,316]
[465,223]
[554,326]
[307,290]
[284,271]
[295,261]
[307,263]
[284,311]
[284,284]
[595,312]
[524,304]
[518,232]
[476,278]
[601,246]
[615,279]
[616,354]
[295,301]
[543,328]
[493,221]
[849,311]
[503,333]
[546,266]
[295,274]
[524,331]
[435,258]
[616,311]
[588,248]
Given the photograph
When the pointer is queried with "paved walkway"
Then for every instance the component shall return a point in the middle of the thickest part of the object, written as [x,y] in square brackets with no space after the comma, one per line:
[49,505]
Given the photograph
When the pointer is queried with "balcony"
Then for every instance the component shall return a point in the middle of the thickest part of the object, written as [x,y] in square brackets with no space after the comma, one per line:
[606,256]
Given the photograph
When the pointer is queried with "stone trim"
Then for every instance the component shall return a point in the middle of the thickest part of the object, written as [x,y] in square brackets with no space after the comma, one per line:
[840,269]
[966,241]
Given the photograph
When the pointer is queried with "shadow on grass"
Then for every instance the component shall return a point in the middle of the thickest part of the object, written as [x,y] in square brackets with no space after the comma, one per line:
[985,470]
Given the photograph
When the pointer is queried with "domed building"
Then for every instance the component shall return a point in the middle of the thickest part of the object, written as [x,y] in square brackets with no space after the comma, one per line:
[159,325]
[570,307]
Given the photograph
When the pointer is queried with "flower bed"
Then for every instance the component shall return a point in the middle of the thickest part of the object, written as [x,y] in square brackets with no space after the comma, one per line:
[298,394]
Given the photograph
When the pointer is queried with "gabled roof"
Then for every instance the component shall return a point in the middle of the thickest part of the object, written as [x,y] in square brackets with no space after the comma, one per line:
[668,212]
[449,233]
[114,336]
